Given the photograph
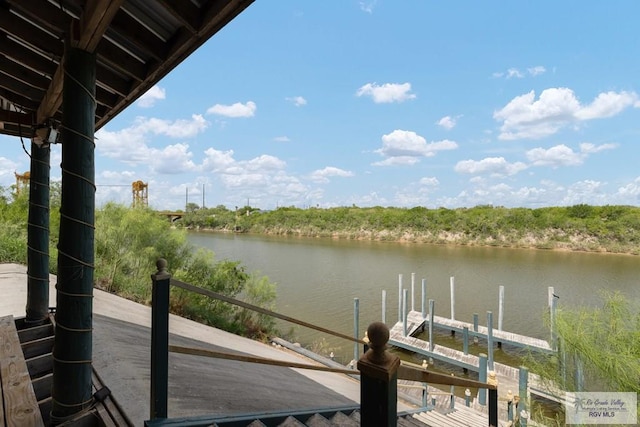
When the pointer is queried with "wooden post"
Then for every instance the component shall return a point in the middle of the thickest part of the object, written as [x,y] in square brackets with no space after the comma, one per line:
[465,340]
[38,235]
[400,297]
[475,322]
[356,328]
[72,391]
[405,297]
[379,377]
[523,387]
[490,338]
[467,397]
[500,307]
[431,315]
[384,306]
[482,377]
[452,286]
[493,399]
[160,282]
[424,299]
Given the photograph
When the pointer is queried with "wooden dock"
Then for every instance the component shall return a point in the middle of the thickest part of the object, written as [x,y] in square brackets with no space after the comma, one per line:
[415,322]
[508,377]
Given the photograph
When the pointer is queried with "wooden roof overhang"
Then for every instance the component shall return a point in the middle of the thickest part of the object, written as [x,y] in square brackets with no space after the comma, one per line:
[137,42]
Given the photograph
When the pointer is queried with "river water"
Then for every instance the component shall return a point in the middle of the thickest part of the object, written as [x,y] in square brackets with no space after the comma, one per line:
[318,279]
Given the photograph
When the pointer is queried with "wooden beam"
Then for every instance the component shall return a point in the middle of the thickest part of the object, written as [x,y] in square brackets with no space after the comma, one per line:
[14,85]
[120,60]
[111,80]
[186,12]
[24,119]
[18,100]
[22,73]
[139,35]
[45,14]
[94,21]
[31,35]
[19,53]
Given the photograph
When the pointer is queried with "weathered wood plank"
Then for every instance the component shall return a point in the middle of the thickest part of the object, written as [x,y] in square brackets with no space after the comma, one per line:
[35,333]
[20,404]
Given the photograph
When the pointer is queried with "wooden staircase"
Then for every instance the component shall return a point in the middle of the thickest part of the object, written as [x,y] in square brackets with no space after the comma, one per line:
[26,374]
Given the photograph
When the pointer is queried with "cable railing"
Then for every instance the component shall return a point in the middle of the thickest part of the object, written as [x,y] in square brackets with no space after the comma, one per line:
[378,369]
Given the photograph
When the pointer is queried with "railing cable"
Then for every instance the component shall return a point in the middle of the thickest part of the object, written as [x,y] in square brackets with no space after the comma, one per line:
[261,310]
[253,359]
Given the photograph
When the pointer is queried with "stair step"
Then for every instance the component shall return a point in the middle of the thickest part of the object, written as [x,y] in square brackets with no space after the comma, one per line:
[317,420]
[39,366]
[342,420]
[37,347]
[42,386]
[35,332]
[256,423]
[45,409]
[291,422]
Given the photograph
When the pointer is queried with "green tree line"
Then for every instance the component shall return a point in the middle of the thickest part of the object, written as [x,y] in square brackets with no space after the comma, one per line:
[128,243]
[580,227]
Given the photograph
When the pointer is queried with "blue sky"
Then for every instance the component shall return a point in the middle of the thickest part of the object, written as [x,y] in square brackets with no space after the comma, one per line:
[388,103]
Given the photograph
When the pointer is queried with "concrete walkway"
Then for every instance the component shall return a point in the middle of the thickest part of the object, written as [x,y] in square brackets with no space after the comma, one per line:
[197,386]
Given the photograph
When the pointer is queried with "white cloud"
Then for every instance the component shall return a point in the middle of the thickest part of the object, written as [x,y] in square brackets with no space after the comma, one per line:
[298,101]
[129,144]
[497,166]
[368,6]
[150,97]
[447,122]
[526,117]
[537,70]
[561,155]
[589,148]
[514,73]
[386,93]
[172,159]
[431,181]
[323,175]
[281,139]
[234,110]
[406,147]
[217,161]
[7,167]
[607,104]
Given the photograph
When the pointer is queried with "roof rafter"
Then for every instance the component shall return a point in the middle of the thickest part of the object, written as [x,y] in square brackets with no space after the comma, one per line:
[94,22]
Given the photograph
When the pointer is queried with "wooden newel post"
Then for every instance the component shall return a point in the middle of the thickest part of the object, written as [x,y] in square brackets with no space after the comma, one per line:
[493,399]
[160,341]
[379,380]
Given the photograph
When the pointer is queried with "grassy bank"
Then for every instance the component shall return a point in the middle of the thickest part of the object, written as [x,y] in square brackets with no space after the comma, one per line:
[614,229]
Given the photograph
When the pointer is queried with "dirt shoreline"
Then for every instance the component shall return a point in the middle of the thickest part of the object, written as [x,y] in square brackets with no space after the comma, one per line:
[580,244]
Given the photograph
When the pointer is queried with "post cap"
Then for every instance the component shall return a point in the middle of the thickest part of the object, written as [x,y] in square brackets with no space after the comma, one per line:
[378,334]
[161,265]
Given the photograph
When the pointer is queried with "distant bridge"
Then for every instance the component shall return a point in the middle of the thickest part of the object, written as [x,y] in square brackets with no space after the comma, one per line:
[173,216]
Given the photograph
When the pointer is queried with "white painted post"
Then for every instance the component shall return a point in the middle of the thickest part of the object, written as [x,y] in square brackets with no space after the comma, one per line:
[490,339]
[552,321]
[424,299]
[400,297]
[452,285]
[500,307]
[550,292]
[431,315]
[405,301]
[356,327]
[384,306]
[413,289]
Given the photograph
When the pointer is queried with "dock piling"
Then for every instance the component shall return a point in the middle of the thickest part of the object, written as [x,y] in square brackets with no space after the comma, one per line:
[384,306]
[431,315]
[356,328]
[413,290]
[500,307]
[482,377]
[400,297]
[490,338]
[405,297]
[465,340]
[452,286]
[424,299]
[523,385]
